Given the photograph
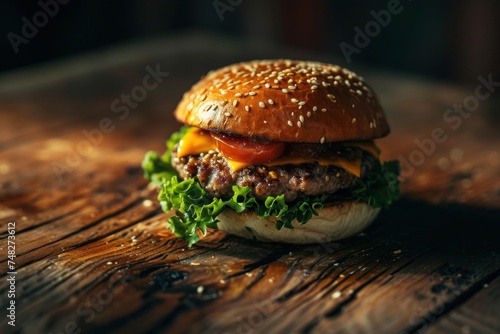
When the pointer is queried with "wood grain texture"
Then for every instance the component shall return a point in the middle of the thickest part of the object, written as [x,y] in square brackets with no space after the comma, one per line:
[93,253]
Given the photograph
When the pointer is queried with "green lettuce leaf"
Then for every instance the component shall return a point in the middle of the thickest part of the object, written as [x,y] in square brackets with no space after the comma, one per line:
[380,186]
[196,210]
[158,169]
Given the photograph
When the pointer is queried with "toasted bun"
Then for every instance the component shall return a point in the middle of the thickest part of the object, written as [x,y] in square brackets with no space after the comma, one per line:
[333,223]
[285,100]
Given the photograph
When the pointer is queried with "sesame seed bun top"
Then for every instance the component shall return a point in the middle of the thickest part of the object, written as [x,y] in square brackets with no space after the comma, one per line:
[284,100]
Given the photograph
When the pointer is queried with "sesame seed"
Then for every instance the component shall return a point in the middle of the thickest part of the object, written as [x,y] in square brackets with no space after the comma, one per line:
[262,105]
[347,83]
[294,100]
[271,102]
[338,77]
[330,96]
[371,125]
[284,90]
[203,97]
[290,80]
[301,103]
[336,294]
[353,120]
[314,86]
[315,108]
[265,122]
[257,86]
[252,93]
[301,118]
[292,113]
[227,114]
[353,105]
[290,123]
[335,83]
[299,124]
[322,140]
[235,103]
[230,88]
[276,81]
[267,85]
[326,84]
[291,87]
[308,114]
[359,92]
[323,110]
[247,108]
[237,94]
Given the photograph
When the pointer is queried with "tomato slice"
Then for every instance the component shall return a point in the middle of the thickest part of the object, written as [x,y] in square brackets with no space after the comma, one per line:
[246,149]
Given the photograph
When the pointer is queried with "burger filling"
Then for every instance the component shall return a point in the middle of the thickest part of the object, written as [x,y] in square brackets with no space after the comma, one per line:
[203,173]
[311,176]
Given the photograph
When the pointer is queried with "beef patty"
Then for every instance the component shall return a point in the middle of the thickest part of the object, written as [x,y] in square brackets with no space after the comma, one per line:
[214,174]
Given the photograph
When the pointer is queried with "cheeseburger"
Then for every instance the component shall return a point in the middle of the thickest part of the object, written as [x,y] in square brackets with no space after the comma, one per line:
[275,150]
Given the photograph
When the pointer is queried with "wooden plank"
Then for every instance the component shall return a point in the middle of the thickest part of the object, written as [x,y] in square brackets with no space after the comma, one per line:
[478,314]
[27,199]
[294,289]
[82,226]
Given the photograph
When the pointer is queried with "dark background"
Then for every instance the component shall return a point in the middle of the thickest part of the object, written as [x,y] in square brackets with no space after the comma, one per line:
[448,40]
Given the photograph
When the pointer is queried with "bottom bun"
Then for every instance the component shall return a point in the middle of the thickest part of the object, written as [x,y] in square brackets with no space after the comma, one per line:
[333,223]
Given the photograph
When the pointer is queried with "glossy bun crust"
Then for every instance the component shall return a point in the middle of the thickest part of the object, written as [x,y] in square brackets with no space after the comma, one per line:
[284,100]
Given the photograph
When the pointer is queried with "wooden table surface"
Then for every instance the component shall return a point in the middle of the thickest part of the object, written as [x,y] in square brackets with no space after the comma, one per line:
[93,254]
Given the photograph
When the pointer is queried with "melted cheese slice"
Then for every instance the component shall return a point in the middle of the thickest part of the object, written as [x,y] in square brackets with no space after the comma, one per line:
[366,145]
[197,141]
[194,142]
[351,166]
